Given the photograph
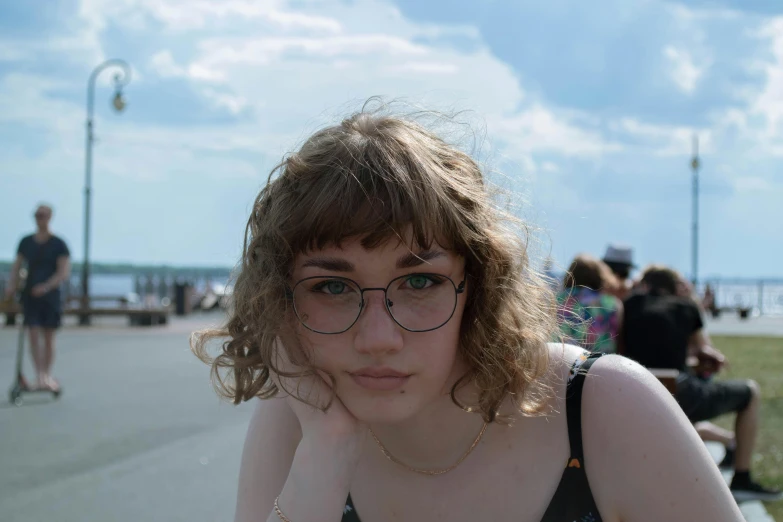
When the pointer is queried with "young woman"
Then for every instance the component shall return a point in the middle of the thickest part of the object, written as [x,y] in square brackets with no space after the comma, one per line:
[387,314]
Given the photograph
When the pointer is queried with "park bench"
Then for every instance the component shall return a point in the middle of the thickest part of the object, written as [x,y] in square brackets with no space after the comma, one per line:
[743,312]
[752,510]
[136,316]
[667,377]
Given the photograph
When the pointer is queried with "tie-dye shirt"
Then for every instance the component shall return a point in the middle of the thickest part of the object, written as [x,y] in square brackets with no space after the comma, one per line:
[589,319]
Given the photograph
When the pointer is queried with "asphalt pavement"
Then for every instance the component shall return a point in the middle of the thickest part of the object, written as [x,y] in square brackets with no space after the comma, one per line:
[138,433]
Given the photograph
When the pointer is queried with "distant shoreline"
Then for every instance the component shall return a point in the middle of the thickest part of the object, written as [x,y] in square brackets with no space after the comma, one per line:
[131,268]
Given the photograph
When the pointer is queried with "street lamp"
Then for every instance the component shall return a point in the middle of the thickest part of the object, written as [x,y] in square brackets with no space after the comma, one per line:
[121,79]
[695,217]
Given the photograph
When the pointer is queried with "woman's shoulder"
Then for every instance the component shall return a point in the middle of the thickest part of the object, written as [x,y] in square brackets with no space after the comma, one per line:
[608,375]
[637,439]
[613,384]
[563,357]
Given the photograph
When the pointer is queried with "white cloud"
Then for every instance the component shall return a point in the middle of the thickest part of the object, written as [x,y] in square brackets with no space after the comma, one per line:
[549,166]
[234,104]
[426,67]
[185,15]
[164,65]
[752,184]
[218,54]
[348,51]
[540,129]
[11,52]
[24,101]
[371,50]
[665,140]
[769,102]
[684,72]
[690,17]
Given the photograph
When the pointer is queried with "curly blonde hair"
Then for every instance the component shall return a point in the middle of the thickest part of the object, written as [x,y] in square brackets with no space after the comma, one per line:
[375,177]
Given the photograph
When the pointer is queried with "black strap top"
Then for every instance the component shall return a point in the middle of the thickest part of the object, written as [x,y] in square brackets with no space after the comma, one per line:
[573,499]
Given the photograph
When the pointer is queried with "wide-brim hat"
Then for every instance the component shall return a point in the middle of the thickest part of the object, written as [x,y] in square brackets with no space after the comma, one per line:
[619,255]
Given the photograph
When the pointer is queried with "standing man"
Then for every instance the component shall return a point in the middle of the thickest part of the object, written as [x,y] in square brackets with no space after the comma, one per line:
[48,265]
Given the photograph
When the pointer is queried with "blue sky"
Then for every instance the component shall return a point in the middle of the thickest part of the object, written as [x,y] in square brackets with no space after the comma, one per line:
[585,110]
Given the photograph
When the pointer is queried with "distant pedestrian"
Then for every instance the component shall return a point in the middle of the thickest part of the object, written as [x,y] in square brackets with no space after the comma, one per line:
[708,302]
[48,264]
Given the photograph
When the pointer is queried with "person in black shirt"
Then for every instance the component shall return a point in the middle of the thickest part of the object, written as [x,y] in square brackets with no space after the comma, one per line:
[665,331]
[48,265]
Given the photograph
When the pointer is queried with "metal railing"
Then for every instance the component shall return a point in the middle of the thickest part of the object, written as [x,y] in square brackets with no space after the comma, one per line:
[761,296]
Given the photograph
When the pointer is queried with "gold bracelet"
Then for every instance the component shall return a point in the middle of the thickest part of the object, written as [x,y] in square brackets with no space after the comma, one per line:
[279,513]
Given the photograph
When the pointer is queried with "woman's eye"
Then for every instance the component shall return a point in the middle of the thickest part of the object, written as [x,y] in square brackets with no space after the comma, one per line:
[331,287]
[419,282]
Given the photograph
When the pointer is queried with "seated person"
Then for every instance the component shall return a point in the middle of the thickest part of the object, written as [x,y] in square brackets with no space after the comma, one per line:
[589,316]
[663,330]
[707,430]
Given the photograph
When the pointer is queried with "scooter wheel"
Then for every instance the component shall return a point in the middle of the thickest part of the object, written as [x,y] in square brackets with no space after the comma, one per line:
[15,396]
[56,394]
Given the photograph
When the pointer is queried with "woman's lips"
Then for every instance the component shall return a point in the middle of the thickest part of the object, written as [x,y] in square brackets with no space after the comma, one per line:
[379,379]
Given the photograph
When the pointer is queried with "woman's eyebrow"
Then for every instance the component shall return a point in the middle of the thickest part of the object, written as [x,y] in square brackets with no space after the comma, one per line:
[412,259]
[333,264]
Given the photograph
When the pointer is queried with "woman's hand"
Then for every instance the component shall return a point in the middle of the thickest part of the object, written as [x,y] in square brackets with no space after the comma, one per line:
[335,424]
[325,461]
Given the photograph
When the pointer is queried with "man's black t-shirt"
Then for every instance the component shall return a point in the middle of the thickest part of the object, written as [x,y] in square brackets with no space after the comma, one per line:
[656,330]
[41,261]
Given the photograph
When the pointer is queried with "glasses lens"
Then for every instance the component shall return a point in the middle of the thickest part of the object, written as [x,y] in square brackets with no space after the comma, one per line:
[421,302]
[327,304]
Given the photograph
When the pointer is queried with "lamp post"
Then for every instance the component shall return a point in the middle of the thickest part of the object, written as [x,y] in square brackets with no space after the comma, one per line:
[695,209]
[120,80]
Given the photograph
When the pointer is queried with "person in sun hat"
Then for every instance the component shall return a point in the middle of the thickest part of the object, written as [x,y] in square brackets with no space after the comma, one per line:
[620,259]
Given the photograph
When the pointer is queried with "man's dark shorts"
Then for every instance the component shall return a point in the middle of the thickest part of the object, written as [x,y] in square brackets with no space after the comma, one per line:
[704,400]
[42,313]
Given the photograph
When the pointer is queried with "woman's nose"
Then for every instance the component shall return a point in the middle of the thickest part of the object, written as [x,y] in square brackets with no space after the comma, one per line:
[377,331]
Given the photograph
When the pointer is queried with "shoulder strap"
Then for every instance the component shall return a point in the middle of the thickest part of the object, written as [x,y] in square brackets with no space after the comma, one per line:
[574,402]
[349,512]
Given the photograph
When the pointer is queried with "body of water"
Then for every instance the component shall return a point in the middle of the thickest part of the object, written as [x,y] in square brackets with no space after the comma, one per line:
[138,289]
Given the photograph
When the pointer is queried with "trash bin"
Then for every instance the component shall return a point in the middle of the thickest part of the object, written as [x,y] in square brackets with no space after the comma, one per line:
[183,293]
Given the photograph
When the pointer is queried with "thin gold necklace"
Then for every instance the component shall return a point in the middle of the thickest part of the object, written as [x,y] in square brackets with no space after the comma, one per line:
[429,471]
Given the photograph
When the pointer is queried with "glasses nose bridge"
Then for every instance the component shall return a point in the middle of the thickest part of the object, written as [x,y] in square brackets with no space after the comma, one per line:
[378,289]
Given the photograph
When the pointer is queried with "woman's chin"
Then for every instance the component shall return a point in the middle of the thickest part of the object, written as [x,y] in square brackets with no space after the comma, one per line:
[375,410]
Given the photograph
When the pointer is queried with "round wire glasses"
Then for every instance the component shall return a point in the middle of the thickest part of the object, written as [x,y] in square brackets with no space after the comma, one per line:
[418,302]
